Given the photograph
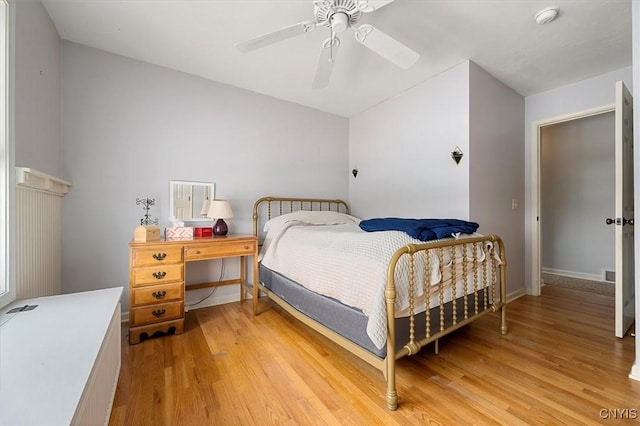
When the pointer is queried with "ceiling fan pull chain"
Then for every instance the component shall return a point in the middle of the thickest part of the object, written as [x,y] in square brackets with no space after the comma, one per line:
[333,37]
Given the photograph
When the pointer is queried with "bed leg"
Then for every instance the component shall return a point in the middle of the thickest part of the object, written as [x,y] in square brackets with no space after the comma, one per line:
[503,315]
[392,394]
[392,399]
[437,347]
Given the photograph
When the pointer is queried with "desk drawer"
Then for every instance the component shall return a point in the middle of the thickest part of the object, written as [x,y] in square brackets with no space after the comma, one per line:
[157,275]
[156,313]
[157,294]
[220,249]
[159,255]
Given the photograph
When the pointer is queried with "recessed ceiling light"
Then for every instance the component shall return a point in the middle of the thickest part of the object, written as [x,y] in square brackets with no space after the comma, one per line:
[546,15]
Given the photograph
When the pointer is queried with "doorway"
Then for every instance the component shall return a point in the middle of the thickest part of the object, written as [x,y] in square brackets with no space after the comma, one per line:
[624,214]
[536,249]
[577,193]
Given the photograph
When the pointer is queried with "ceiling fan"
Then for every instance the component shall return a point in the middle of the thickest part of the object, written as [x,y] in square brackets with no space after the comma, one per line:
[338,16]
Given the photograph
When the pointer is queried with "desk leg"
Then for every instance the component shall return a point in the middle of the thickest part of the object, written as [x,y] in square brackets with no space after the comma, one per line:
[242,278]
[256,280]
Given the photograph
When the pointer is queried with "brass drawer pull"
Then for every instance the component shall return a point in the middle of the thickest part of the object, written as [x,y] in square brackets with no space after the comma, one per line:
[246,247]
[196,252]
[159,312]
[159,275]
[159,294]
[159,256]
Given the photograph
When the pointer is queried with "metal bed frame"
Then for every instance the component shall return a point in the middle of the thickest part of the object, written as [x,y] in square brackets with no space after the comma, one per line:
[486,294]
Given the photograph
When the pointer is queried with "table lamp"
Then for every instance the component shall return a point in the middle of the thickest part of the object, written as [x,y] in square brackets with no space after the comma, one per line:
[220,210]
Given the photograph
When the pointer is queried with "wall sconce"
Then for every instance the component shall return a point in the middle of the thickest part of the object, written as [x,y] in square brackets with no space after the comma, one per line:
[457,154]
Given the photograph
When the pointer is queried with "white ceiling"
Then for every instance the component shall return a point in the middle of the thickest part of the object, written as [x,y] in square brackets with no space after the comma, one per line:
[588,38]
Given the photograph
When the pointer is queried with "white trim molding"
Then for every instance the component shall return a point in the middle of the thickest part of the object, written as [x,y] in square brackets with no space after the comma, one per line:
[535,186]
[573,274]
[34,179]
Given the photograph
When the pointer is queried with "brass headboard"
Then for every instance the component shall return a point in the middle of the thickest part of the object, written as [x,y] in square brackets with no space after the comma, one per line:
[267,207]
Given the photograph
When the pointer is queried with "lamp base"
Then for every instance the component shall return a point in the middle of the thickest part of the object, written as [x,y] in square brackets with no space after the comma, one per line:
[220,228]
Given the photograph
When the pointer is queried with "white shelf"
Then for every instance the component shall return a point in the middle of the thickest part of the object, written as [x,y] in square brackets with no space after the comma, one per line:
[34,179]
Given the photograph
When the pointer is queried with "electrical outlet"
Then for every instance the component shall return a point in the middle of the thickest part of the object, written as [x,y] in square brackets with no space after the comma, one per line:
[514,204]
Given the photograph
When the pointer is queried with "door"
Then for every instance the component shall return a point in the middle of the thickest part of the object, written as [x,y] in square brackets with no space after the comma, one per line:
[625,291]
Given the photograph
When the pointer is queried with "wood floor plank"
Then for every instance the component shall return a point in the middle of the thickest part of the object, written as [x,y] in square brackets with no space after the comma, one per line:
[559,364]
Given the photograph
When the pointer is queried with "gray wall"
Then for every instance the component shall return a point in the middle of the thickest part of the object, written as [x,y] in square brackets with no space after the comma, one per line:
[37,89]
[402,149]
[131,127]
[577,188]
[496,162]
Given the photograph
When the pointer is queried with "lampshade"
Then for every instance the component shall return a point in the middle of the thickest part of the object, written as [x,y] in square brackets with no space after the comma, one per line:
[220,209]
[205,208]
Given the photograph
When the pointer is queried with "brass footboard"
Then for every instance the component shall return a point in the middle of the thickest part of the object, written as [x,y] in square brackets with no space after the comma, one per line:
[468,270]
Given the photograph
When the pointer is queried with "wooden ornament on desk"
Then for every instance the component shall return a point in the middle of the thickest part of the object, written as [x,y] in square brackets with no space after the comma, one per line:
[147,233]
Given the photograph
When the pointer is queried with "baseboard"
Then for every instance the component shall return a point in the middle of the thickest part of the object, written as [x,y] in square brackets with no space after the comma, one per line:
[572,274]
[516,294]
[213,301]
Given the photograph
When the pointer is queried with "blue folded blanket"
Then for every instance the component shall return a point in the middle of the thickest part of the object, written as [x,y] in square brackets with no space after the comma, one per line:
[420,229]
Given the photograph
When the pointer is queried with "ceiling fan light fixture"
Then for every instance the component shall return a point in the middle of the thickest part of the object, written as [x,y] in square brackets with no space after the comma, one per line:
[339,22]
[339,16]
[546,15]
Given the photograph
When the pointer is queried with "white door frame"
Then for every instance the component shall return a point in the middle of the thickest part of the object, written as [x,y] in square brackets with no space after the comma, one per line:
[536,266]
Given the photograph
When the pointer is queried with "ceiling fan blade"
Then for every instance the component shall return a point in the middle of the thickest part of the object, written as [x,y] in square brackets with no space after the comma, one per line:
[276,36]
[386,46]
[368,6]
[325,63]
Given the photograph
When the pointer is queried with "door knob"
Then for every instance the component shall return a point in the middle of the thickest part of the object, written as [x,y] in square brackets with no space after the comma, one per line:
[619,221]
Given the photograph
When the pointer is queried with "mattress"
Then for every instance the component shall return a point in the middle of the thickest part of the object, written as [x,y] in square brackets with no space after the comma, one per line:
[332,256]
[349,322]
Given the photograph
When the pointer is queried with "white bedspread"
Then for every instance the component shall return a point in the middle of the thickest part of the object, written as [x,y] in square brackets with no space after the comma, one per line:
[346,263]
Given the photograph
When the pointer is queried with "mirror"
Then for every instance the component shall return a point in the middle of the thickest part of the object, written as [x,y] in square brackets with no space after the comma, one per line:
[189,201]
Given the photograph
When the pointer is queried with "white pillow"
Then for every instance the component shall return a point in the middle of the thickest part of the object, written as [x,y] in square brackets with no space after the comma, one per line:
[312,218]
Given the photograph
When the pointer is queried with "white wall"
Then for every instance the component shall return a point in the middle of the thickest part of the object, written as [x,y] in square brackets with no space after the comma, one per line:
[577,188]
[402,150]
[37,89]
[581,96]
[496,160]
[131,127]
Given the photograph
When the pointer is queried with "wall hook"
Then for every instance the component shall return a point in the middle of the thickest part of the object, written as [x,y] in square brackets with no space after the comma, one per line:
[354,172]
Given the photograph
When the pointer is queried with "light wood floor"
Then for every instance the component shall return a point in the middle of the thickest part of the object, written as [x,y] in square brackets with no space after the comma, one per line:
[559,364]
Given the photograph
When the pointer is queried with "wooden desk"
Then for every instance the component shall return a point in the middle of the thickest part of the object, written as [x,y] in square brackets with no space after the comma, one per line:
[157,279]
